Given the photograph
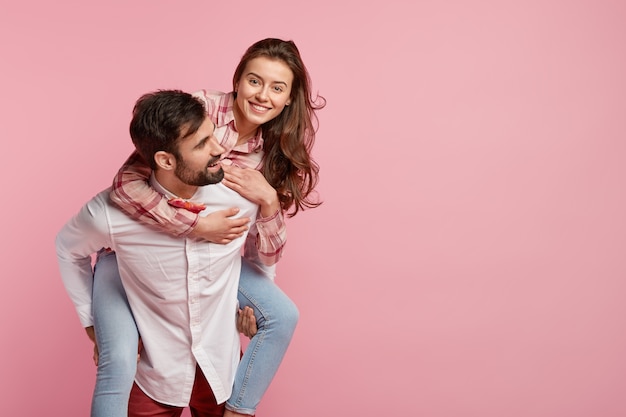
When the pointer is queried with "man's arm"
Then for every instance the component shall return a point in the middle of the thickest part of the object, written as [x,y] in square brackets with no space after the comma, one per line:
[83,235]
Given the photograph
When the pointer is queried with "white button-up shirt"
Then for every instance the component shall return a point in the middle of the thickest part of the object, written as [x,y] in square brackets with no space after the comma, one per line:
[183,291]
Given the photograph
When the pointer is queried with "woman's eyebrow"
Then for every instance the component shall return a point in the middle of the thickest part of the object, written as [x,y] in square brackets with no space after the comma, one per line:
[258,76]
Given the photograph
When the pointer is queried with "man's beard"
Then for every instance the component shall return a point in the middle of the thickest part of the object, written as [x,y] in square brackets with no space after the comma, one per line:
[198,178]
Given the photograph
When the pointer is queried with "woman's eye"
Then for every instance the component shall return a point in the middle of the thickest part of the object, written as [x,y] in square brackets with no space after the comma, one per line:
[278,89]
[254,81]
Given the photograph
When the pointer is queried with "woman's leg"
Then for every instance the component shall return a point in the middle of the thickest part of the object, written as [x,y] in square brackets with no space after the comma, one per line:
[117,337]
[276,317]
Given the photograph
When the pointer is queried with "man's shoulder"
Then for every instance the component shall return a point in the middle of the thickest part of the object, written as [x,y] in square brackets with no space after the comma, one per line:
[102,210]
[101,199]
[91,221]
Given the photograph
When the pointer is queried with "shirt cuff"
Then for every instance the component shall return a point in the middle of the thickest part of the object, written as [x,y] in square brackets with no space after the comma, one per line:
[84,315]
[271,225]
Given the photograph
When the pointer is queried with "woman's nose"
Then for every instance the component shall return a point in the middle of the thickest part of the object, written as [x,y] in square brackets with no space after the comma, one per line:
[262,94]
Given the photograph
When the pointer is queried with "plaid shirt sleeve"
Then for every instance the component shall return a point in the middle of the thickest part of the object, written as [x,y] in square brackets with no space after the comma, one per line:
[132,193]
[266,240]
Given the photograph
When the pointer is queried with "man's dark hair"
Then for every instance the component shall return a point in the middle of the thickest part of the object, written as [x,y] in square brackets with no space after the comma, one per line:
[161,118]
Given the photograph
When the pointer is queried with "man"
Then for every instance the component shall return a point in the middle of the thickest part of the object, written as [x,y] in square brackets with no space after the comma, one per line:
[183,292]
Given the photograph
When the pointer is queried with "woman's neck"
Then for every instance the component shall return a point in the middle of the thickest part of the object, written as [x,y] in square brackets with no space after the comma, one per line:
[245,135]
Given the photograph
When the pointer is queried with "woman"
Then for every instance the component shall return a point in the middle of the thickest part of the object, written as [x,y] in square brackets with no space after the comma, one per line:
[267,124]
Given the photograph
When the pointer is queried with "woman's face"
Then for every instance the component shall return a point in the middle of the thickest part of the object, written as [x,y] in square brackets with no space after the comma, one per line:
[263,91]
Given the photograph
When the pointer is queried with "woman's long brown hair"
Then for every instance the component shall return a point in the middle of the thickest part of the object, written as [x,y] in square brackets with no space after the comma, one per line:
[288,138]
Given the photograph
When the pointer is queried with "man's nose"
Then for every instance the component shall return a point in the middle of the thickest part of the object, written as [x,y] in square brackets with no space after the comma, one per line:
[216,148]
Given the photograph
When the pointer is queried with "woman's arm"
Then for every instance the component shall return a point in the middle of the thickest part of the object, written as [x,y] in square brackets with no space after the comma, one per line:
[266,240]
[269,240]
[134,195]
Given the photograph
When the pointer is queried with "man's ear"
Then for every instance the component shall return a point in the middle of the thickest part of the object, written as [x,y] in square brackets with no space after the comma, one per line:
[165,160]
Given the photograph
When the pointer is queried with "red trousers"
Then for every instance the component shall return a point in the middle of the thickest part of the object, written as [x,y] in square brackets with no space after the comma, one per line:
[202,403]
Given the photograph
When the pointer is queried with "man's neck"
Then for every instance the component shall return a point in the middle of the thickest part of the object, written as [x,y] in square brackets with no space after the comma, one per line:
[171,184]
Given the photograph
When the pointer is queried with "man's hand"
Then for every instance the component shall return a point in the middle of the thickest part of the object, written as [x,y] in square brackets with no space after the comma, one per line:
[96,354]
[246,322]
[219,227]
[139,349]
[92,336]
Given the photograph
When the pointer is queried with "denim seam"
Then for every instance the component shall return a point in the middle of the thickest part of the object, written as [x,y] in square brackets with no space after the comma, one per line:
[260,336]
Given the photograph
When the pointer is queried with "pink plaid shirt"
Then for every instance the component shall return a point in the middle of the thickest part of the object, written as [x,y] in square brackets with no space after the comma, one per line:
[132,193]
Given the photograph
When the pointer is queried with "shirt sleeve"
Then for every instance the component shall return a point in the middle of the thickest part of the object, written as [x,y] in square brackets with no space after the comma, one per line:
[76,242]
[266,241]
[132,193]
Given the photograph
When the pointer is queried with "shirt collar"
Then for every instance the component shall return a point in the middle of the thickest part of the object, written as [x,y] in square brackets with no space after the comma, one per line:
[164,191]
[227,116]
[158,187]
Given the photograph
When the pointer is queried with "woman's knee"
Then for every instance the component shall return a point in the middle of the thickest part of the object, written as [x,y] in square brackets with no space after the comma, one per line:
[120,359]
[284,318]
[291,314]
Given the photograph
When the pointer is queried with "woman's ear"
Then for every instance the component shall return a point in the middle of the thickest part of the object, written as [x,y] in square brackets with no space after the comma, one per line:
[165,160]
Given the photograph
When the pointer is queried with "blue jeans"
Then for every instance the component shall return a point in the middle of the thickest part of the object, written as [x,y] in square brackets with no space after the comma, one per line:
[276,317]
[117,338]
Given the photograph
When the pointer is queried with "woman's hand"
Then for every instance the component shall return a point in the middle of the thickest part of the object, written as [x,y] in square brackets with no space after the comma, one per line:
[219,227]
[252,185]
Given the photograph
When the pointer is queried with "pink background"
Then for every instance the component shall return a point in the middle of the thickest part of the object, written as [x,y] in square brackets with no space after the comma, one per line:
[469,257]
